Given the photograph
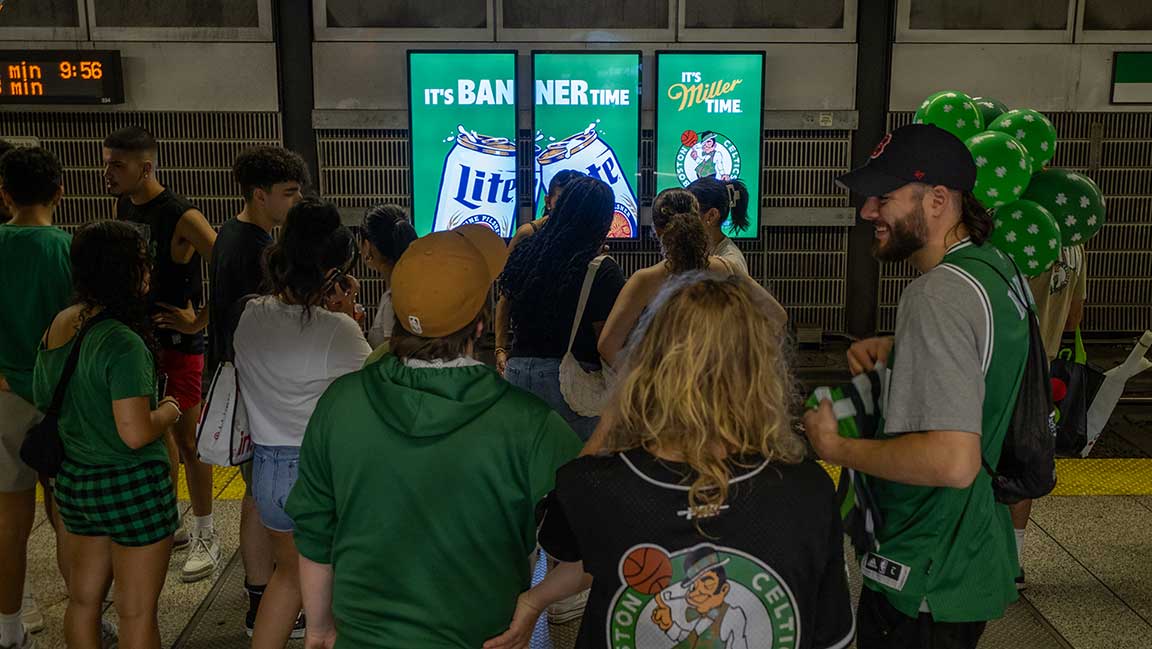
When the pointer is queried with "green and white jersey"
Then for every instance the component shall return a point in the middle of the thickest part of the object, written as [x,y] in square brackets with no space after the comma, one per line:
[961,345]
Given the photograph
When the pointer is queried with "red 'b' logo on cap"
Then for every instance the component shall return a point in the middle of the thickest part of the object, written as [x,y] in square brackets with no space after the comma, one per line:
[880,147]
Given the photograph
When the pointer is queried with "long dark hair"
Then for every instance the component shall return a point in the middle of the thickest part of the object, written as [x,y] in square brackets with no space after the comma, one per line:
[730,197]
[388,229]
[975,218]
[312,243]
[110,262]
[552,263]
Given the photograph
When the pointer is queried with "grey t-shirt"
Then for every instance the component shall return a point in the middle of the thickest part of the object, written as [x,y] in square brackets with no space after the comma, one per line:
[943,350]
[728,251]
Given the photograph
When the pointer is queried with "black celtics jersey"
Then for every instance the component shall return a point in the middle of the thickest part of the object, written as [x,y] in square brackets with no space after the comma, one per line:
[767,571]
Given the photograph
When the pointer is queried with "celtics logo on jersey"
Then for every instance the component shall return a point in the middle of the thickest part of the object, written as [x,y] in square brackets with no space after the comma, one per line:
[706,154]
[703,597]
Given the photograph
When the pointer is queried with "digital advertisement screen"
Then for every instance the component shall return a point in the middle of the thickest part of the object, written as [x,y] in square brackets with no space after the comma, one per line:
[462,125]
[61,77]
[586,117]
[709,122]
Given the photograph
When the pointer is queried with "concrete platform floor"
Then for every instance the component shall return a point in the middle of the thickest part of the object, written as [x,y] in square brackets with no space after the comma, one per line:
[1088,561]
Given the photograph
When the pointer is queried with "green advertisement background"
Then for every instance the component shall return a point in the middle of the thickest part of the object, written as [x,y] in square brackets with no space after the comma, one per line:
[431,125]
[743,129]
[619,125]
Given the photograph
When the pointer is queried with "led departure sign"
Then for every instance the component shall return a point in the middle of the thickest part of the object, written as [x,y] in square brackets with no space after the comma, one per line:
[61,77]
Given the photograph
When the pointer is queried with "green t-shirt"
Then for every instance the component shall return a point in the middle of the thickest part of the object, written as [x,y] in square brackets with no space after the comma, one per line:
[961,343]
[35,285]
[114,364]
[419,486]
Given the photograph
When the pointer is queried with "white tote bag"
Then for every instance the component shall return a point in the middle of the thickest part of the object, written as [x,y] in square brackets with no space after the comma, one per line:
[584,391]
[222,436]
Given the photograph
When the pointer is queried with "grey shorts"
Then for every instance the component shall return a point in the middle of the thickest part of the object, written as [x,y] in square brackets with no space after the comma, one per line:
[16,417]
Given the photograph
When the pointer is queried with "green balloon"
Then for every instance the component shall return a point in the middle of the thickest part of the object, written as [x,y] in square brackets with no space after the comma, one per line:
[1075,201]
[1028,234]
[952,111]
[1034,131]
[1003,168]
[990,108]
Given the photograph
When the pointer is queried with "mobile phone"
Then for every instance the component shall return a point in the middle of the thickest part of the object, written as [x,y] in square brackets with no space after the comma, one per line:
[162,385]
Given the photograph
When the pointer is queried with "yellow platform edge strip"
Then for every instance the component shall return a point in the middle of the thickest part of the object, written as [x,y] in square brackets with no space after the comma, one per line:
[1090,477]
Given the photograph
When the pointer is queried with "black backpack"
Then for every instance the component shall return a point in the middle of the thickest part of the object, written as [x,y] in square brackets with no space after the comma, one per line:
[1027,467]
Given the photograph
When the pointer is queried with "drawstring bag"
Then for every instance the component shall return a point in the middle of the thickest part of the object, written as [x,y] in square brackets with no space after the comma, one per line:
[583,391]
[222,434]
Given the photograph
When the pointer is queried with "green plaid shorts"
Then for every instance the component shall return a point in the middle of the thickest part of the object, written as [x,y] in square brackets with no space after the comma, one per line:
[133,505]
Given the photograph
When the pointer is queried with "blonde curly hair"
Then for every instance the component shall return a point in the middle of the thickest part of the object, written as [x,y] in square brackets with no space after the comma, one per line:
[706,381]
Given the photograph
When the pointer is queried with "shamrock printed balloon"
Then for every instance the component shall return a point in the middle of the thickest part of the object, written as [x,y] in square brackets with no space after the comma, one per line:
[989,108]
[1003,168]
[952,111]
[1034,131]
[1075,201]
[1028,234]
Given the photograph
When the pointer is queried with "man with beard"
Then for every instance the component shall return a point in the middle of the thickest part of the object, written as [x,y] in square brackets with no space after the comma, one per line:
[944,562]
[179,236]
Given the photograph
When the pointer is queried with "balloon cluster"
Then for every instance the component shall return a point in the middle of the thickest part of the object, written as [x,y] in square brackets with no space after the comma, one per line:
[1037,209]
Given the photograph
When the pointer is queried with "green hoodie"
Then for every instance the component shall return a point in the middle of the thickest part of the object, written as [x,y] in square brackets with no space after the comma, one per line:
[419,486]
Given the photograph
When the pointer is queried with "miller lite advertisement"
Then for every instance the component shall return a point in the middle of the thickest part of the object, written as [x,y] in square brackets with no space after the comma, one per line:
[709,122]
[462,112]
[586,117]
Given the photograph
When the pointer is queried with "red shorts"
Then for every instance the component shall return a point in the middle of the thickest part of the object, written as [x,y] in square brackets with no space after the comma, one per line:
[185,376]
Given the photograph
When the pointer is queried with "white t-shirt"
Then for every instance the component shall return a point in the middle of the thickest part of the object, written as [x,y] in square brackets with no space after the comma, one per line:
[728,251]
[284,364]
[381,329]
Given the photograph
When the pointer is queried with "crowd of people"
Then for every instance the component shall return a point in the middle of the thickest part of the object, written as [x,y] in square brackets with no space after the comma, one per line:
[399,487]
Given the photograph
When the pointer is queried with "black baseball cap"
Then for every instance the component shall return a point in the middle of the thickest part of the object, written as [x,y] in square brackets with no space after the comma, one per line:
[916,153]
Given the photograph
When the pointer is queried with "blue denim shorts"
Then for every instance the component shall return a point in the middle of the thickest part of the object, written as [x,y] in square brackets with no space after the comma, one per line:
[274,472]
[541,377]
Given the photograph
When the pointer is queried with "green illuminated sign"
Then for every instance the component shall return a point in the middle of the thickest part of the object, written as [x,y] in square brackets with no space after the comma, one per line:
[709,121]
[586,117]
[462,121]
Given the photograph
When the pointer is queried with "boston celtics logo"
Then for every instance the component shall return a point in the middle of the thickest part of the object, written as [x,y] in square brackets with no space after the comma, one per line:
[707,154]
[701,597]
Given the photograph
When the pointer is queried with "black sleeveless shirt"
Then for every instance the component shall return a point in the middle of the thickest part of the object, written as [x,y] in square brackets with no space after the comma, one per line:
[172,283]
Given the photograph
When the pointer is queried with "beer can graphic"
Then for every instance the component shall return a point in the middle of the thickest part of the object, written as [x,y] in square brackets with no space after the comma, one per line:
[588,153]
[478,184]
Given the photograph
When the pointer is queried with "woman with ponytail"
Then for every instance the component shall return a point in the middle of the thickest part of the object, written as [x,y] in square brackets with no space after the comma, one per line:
[542,282]
[290,346]
[384,236]
[723,202]
[685,244]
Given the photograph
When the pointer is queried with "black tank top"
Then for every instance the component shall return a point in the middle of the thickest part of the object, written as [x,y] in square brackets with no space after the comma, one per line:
[172,283]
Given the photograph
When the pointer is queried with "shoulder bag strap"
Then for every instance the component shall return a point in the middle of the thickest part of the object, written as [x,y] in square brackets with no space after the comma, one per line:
[70,365]
[1024,301]
[585,290]
[727,265]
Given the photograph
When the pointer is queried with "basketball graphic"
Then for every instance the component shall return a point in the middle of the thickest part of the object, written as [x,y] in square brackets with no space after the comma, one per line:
[689,138]
[647,570]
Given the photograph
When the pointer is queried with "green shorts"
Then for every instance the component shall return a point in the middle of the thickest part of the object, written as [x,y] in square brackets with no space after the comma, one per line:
[132,505]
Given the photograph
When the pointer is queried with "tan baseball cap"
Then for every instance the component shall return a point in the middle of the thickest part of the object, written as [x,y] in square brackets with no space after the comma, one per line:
[441,282]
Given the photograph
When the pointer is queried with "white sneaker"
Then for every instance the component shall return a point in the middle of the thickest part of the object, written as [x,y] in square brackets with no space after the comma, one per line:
[30,613]
[203,556]
[568,609]
[27,643]
[109,638]
[180,538]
